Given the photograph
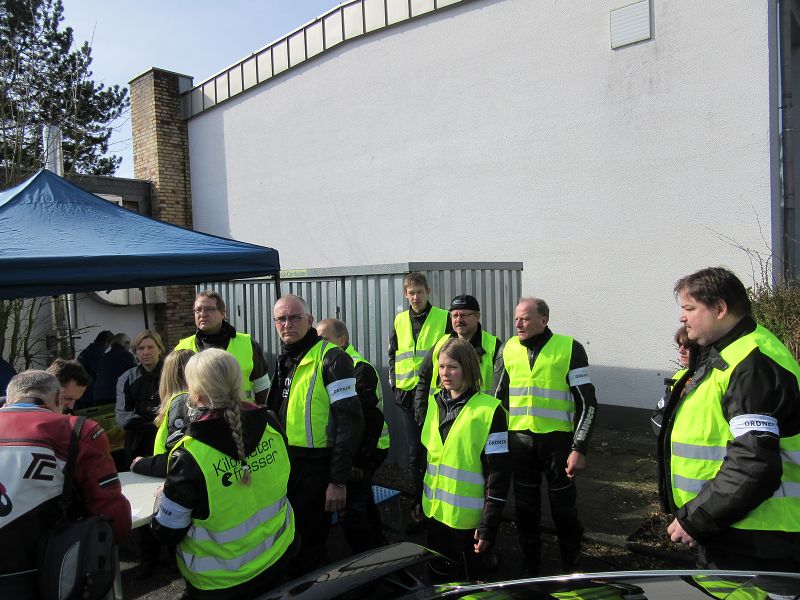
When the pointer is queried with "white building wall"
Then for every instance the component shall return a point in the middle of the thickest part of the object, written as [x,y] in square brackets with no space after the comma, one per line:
[508,130]
[95,316]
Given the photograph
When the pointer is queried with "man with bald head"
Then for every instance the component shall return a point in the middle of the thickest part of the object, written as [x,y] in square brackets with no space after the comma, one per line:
[35,444]
[465,315]
[543,380]
[314,396]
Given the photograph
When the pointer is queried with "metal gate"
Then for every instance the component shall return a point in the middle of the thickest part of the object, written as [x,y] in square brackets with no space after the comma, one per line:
[367,298]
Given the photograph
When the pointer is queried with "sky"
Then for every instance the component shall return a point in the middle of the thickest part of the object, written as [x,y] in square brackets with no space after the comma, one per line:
[197,38]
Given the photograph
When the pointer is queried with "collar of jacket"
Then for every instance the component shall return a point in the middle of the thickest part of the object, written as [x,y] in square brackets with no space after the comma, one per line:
[449,408]
[538,341]
[420,315]
[743,327]
[301,346]
[476,341]
[216,340]
[212,429]
[710,355]
[156,372]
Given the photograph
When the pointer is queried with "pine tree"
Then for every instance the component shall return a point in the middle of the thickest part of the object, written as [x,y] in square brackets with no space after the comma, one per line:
[45,79]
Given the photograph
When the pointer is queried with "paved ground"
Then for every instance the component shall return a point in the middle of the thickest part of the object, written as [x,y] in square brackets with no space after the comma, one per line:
[616,495]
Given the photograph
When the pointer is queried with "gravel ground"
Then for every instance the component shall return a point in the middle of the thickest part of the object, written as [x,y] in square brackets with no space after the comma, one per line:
[617,501]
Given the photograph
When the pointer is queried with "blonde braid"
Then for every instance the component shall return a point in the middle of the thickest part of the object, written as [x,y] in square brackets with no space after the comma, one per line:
[215,377]
[234,418]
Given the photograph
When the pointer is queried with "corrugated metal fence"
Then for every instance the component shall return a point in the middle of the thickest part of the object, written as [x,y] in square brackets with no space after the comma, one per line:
[367,298]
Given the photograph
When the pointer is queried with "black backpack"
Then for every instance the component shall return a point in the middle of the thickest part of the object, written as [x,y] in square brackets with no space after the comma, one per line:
[76,558]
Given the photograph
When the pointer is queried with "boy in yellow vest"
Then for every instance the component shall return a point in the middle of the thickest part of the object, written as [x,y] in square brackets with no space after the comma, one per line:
[415,332]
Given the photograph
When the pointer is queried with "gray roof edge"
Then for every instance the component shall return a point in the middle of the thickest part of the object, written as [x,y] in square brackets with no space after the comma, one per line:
[395,268]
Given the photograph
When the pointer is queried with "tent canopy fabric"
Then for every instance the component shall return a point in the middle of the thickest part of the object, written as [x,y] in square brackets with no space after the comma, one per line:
[56,238]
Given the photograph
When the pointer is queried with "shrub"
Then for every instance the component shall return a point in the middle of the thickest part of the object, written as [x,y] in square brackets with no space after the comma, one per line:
[778,309]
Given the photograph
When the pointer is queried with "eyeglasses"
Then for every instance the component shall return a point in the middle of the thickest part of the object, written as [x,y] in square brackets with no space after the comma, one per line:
[462,314]
[284,321]
[204,310]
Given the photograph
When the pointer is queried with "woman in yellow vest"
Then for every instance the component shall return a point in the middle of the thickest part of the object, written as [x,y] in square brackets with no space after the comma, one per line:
[172,416]
[224,500]
[463,491]
[685,349]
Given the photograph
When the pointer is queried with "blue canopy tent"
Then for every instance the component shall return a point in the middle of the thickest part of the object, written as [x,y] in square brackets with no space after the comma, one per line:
[56,238]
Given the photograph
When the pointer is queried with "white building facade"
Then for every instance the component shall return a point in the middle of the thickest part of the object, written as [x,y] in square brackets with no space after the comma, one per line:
[511,130]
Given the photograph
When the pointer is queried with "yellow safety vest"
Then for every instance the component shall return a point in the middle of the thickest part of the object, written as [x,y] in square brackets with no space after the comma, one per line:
[249,527]
[454,485]
[160,445]
[308,414]
[700,436]
[410,352]
[383,442]
[488,343]
[242,349]
[539,399]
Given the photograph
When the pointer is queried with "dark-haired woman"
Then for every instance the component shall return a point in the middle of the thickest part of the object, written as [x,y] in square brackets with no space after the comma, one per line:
[468,470]
[686,348]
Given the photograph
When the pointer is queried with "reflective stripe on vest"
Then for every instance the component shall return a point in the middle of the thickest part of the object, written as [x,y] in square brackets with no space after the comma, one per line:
[700,435]
[383,441]
[242,349]
[454,483]
[410,352]
[249,527]
[539,399]
[308,413]
[488,343]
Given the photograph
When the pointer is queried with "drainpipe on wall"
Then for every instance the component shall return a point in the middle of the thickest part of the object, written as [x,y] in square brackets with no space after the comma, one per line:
[789,241]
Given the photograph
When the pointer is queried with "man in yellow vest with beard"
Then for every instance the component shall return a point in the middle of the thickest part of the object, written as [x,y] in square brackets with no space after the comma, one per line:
[543,380]
[214,331]
[314,396]
[729,449]
[465,316]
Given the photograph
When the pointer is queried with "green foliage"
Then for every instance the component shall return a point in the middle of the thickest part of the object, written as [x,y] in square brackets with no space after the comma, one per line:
[778,309]
[45,79]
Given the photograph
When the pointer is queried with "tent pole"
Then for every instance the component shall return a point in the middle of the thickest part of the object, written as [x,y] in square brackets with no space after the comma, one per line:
[70,305]
[144,308]
[277,286]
